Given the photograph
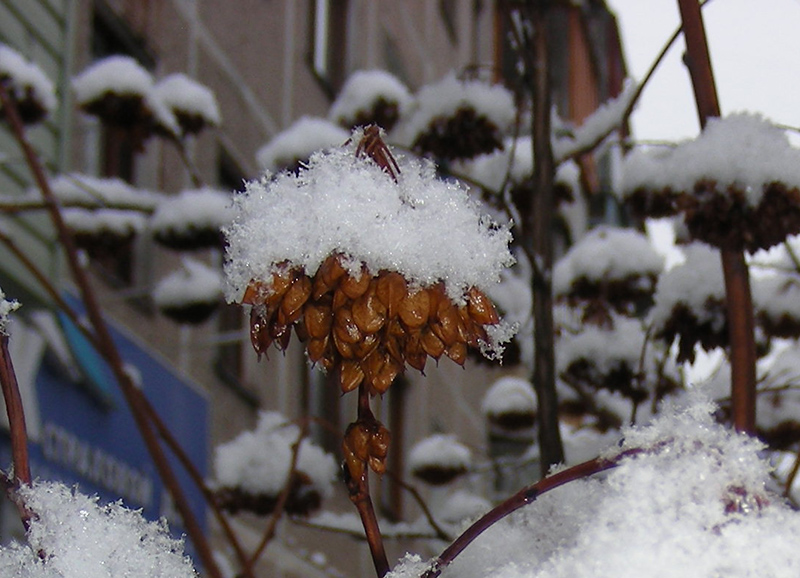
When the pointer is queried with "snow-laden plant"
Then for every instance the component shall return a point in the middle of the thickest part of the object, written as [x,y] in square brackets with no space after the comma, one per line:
[33,92]
[439,459]
[371,97]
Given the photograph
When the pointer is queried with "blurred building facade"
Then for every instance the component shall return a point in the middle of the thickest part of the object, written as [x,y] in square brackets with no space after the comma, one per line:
[269,62]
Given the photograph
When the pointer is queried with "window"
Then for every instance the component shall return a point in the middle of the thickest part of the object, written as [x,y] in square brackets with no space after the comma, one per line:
[328,40]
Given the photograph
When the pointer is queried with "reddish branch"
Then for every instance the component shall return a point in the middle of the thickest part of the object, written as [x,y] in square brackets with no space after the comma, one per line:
[103,337]
[737,281]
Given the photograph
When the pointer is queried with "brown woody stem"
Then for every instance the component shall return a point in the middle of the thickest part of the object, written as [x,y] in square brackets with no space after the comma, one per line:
[741,321]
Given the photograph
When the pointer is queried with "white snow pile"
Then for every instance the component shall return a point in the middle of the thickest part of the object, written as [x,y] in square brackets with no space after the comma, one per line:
[363,89]
[427,229]
[74,189]
[778,296]
[779,395]
[692,504]
[181,94]
[695,284]
[112,221]
[509,394]
[744,151]
[194,282]
[607,254]
[608,117]
[462,506]
[258,461]
[25,76]
[203,208]
[305,136]
[6,308]
[439,450]
[73,536]
[446,96]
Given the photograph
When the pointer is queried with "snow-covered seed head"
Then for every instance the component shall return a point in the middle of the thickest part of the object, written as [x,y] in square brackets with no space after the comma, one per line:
[364,272]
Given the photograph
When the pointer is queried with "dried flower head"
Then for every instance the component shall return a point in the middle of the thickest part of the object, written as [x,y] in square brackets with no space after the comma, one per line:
[374,263]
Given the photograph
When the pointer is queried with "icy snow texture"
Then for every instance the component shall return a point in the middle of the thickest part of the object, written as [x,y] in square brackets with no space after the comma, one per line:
[26,75]
[605,349]
[80,538]
[198,208]
[182,94]
[362,89]
[778,295]
[258,461]
[88,191]
[425,228]
[195,282]
[440,450]
[6,307]
[743,150]
[299,141]
[661,514]
[783,405]
[112,221]
[692,284]
[445,97]
[461,506]
[607,254]
[509,394]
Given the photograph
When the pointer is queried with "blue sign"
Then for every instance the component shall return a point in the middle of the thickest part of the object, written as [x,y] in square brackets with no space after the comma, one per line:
[87,436]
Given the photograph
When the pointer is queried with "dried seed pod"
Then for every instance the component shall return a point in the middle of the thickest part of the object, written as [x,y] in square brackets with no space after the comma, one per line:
[355,287]
[259,329]
[294,299]
[385,377]
[457,352]
[369,313]
[446,325]
[391,289]
[328,276]
[350,375]
[345,349]
[431,344]
[414,309]
[344,327]
[317,348]
[414,352]
[280,283]
[254,293]
[282,340]
[366,346]
[318,319]
[480,308]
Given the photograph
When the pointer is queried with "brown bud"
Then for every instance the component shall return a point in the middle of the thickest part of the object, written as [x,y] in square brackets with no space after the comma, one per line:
[480,308]
[457,352]
[294,299]
[414,309]
[446,325]
[259,329]
[328,276]
[254,293]
[344,327]
[366,346]
[355,287]
[350,375]
[317,348]
[318,318]
[414,353]
[391,289]
[280,283]
[369,313]
[431,344]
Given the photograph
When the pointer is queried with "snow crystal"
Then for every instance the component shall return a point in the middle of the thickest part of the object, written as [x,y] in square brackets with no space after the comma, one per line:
[26,75]
[448,95]
[193,208]
[73,536]
[425,228]
[299,141]
[362,89]
[440,450]
[744,151]
[258,461]
[6,308]
[195,282]
[693,503]
[693,283]
[182,94]
[509,394]
[607,254]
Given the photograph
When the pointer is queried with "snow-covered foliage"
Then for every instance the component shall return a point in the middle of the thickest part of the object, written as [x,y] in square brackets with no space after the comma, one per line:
[74,189]
[192,219]
[298,142]
[194,282]
[6,308]
[742,151]
[115,222]
[348,204]
[509,395]
[693,503]
[439,450]
[258,461]
[191,102]
[29,85]
[73,536]
[365,90]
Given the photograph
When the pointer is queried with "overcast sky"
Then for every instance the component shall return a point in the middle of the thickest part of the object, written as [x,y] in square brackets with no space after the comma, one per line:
[755,54]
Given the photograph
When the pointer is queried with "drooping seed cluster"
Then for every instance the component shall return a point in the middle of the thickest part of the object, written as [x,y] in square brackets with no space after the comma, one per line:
[365,326]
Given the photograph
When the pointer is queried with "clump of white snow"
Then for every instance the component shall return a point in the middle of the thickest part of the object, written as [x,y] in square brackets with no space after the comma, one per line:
[104,221]
[427,229]
[73,536]
[192,210]
[74,189]
[6,308]
[439,450]
[509,394]
[258,461]
[744,151]
[185,96]
[194,282]
[25,79]
[297,143]
[361,92]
